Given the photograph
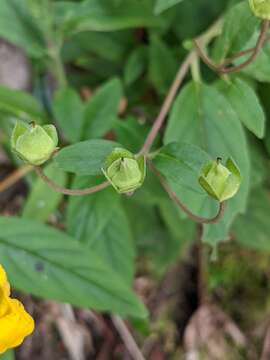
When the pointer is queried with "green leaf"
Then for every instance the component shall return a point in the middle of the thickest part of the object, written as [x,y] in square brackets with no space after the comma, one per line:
[68,110]
[100,222]
[42,200]
[258,69]
[162,5]
[108,46]
[8,355]
[246,105]
[162,65]
[252,229]
[86,157]
[135,65]
[181,163]
[131,133]
[201,115]
[18,27]
[259,163]
[47,263]
[20,105]
[101,110]
[103,15]
[239,26]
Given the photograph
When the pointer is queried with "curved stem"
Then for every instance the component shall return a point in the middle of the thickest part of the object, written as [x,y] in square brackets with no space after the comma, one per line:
[182,206]
[72,192]
[205,57]
[229,60]
[167,103]
[222,69]
[259,45]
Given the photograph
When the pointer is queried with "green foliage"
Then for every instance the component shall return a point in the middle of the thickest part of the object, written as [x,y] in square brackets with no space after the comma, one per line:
[162,5]
[104,229]
[20,28]
[86,157]
[124,55]
[246,105]
[103,15]
[20,105]
[68,110]
[239,26]
[43,201]
[50,264]
[8,355]
[101,110]
[252,228]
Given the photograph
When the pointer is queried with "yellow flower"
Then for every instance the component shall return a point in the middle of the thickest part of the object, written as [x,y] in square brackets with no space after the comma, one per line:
[4,282]
[15,322]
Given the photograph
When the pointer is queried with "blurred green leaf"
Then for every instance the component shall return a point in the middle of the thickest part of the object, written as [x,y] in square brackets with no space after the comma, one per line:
[135,65]
[162,5]
[18,27]
[68,110]
[246,105]
[239,26]
[20,105]
[42,201]
[8,355]
[103,228]
[252,229]
[101,109]
[131,133]
[86,157]
[103,15]
[45,262]
[162,65]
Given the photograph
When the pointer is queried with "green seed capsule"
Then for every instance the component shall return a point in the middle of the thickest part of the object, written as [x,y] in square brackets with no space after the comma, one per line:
[219,181]
[34,144]
[125,171]
[261,8]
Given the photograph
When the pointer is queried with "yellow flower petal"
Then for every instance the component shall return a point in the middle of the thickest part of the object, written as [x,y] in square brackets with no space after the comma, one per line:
[4,284]
[15,325]
[15,322]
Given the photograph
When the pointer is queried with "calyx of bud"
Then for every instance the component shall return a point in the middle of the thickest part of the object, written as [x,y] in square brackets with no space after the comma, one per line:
[261,8]
[219,181]
[124,170]
[33,143]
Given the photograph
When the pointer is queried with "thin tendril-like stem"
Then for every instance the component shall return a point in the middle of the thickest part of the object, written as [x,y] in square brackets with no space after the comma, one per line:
[259,45]
[222,69]
[167,103]
[205,57]
[72,192]
[179,203]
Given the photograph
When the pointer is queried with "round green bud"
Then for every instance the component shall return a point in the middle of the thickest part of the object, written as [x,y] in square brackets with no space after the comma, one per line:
[261,8]
[124,170]
[219,181]
[32,143]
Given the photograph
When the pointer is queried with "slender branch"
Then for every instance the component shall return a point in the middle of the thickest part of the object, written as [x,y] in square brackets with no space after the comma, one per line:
[14,177]
[182,206]
[229,60]
[167,103]
[127,338]
[222,69]
[205,58]
[72,192]
[259,45]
